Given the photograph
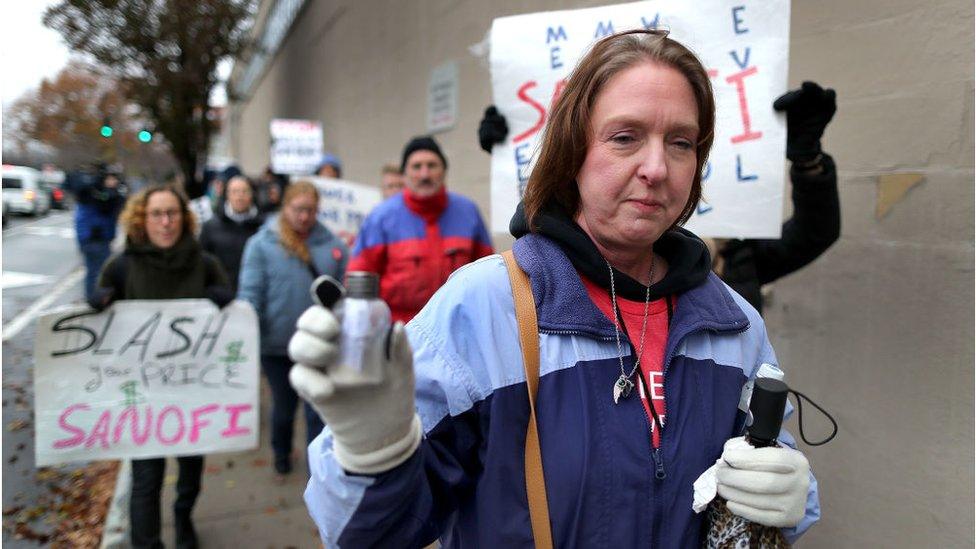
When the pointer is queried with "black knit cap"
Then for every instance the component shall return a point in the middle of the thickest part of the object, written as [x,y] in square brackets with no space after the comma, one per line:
[421,143]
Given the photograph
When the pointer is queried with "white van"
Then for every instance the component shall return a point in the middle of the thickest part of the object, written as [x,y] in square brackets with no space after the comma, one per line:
[23,192]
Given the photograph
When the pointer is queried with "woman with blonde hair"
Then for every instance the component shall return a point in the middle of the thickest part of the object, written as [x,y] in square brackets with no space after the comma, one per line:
[161,260]
[280,262]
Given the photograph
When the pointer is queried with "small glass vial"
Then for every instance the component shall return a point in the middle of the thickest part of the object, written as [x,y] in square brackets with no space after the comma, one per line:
[366,322]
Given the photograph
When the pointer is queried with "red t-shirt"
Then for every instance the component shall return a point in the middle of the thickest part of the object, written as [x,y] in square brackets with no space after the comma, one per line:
[655,341]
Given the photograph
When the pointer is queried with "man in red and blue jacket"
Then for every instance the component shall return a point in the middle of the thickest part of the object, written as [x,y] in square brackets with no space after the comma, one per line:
[417,238]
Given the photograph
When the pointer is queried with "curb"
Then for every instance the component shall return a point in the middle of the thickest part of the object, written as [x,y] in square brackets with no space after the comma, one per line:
[115,533]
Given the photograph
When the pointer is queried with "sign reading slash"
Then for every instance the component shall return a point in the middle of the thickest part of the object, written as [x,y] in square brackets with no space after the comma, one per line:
[146,379]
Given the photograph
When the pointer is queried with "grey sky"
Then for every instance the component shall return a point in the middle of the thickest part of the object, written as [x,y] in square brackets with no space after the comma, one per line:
[30,51]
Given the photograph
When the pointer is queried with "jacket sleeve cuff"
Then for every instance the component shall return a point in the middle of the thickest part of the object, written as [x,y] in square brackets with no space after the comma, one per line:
[384,459]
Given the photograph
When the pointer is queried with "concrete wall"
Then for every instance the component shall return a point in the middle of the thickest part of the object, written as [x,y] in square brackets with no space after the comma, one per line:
[879,330]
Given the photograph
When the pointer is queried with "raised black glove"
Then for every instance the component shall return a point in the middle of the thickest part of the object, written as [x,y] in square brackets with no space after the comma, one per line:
[492,130]
[101,298]
[220,295]
[808,111]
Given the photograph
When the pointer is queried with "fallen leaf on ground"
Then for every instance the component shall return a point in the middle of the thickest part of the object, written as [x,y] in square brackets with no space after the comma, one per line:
[17,425]
[259,462]
[213,469]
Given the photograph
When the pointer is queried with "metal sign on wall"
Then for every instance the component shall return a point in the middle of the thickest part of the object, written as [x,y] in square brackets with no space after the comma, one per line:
[442,97]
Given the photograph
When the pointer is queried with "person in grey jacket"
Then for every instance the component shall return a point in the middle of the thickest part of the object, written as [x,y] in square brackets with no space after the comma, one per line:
[280,262]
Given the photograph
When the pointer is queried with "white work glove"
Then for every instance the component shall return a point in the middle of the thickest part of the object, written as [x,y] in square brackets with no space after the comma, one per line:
[767,486]
[374,427]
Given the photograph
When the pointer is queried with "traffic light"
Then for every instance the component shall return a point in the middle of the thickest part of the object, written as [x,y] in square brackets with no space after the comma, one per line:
[145,136]
[107,127]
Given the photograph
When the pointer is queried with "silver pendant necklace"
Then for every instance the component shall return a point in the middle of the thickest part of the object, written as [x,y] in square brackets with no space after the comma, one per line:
[624,385]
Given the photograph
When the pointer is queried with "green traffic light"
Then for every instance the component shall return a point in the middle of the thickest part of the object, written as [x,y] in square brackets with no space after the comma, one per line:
[106,131]
[145,136]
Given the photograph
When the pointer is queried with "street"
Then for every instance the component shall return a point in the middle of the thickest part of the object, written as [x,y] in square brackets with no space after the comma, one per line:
[241,503]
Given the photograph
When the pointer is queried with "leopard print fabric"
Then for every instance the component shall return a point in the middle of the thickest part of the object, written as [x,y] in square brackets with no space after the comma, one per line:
[725,530]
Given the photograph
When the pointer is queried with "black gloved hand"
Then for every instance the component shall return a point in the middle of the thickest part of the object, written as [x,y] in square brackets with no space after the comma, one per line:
[101,298]
[220,295]
[808,111]
[492,130]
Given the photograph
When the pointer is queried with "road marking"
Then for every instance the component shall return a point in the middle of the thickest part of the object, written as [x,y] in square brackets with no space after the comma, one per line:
[21,321]
[54,218]
[13,279]
[63,232]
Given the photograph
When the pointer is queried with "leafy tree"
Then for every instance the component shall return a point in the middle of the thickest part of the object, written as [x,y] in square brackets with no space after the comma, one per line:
[165,53]
[65,115]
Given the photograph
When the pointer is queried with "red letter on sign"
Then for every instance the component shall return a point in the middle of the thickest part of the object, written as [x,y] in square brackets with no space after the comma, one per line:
[740,87]
[79,434]
[535,105]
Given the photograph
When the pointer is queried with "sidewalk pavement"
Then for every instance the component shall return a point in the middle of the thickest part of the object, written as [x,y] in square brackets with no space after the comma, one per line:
[241,503]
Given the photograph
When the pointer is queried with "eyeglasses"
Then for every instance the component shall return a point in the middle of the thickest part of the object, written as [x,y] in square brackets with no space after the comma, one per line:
[159,215]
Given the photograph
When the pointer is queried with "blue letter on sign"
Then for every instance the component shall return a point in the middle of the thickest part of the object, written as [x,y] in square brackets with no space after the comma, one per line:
[652,24]
[522,162]
[554,57]
[737,20]
[603,29]
[552,36]
[738,170]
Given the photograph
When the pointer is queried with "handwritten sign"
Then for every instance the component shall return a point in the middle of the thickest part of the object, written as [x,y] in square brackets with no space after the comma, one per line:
[442,97]
[296,146]
[146,379]
[343,205]
[743,44]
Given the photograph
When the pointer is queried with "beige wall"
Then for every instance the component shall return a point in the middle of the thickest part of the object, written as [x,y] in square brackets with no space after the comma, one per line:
[879,330]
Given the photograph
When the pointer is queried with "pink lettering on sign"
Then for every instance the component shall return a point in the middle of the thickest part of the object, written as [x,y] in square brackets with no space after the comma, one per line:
[233,429]
[738,79]
[172,425]
[197,422]
[79,434]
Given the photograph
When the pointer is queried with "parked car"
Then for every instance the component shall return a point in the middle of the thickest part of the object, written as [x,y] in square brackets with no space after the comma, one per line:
[23,192]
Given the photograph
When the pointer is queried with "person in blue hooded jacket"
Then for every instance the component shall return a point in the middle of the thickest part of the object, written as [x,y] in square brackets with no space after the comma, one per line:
[99,199]
[279,264]
[644,353]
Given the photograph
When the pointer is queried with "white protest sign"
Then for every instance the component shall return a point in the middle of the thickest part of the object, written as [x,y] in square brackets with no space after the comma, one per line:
[744,45]
[296,146]
[146,379]
[343,205]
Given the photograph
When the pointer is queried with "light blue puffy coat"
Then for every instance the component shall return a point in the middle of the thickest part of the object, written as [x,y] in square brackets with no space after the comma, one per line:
[278,283]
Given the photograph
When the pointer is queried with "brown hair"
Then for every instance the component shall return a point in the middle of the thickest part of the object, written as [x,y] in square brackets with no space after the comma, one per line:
[133,216]
[290,240]
[391,168]
[567,135]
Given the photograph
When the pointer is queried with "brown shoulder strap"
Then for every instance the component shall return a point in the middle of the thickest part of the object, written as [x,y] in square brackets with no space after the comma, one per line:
[535,482]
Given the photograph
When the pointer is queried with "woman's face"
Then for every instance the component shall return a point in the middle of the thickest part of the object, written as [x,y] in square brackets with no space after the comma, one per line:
[640,164]
[300,213]
[164,219]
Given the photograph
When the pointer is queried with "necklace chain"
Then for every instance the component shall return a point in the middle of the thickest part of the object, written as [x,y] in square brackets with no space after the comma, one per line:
[616,324]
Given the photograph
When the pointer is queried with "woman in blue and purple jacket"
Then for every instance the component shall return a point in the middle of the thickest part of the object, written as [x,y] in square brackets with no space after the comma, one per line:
[644,353]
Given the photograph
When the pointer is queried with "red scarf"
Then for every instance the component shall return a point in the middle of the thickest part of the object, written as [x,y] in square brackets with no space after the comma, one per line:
[428,208]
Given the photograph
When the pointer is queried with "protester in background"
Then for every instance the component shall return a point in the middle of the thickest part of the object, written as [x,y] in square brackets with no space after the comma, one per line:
[269,187]
[391,180]
[234,222]
[633,329]
[746,265]
[161,260]
[329,167]
[98,199]
[416,239]
[280,262]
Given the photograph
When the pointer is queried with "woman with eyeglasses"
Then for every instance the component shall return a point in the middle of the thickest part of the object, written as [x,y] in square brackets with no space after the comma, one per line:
[280,262]
[161,260]
[643,353]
